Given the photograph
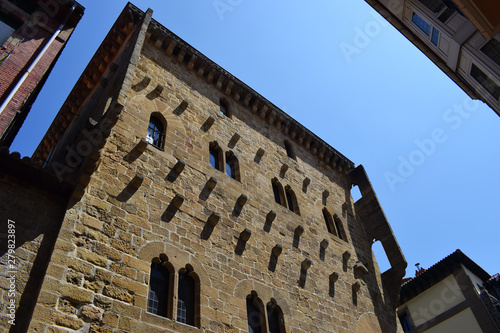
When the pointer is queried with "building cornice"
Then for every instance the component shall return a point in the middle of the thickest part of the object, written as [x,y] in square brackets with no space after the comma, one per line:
[233,88]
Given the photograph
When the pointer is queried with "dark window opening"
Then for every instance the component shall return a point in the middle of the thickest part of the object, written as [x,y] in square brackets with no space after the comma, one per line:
[279,195]
[186,299]
[232,166]
[159,293]
[486,82]
[223,109]
[156,132]
[338,227]
[434,5]
[275,319]
[329,222]
[254,315]
[405,322]
[215,156]
[492,50]
[276,192]
[290,201]
[289,150]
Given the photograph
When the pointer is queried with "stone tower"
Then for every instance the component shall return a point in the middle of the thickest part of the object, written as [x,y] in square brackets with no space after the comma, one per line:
[187,202]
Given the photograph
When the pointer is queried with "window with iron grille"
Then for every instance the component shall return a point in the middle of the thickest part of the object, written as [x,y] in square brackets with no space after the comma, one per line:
[156,132]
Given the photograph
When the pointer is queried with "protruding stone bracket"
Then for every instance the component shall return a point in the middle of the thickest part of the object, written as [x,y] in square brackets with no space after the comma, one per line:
[332,279]
[283,170]
[270,217]
[158,90]
[323,245]
[304,266]
[360,269]
[212,221]
[136,151]
[275,253]
[141,146]
[240,202]
[131,188]
[356,286]
[234,139]
[181,108]
[172,208]
[208,123]
[136,182]
[208,188]
[296,235]
[242,241]
[143,84]
[305,184]
[259,154]
[176,171]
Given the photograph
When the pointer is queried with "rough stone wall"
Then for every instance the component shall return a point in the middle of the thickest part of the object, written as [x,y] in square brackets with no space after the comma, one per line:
[98,275]
[29,220]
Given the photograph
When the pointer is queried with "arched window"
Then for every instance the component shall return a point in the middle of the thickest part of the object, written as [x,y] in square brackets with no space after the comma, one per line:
[289,149]
[275,319]
[255,314]
[160,291]
[339,227]
[156,132]
[329,222]
[334,225]
[223,108]
[278,192]
[188,297]
[291,200]
[215,156]
[232,166]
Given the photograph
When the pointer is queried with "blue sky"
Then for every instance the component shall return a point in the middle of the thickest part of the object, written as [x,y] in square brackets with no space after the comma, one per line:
[431,153]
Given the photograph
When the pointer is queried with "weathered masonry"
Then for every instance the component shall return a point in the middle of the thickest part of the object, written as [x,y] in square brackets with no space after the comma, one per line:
[197,205]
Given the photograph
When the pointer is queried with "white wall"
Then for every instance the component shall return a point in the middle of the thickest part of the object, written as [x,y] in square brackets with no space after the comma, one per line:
[439,298]
[463,322]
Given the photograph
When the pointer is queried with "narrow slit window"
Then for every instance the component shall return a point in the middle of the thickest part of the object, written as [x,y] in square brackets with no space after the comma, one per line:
[275,318]
[159,293]
[289,150]
[215,156]
[292,200]
[329,222]
[254,315]
[232,166]
[186,299]
[279,194]
[223,109]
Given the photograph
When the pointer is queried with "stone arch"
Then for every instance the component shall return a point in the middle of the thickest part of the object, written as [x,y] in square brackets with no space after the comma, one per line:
[266,293]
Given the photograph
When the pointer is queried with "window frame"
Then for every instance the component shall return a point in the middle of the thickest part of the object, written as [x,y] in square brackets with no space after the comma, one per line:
[495,94]
[192,314]
[156,117]
[232,166]
[277,187]
[215,153]
[167,299]
[433,35]
[275,311]
[291,200]
[224,108]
